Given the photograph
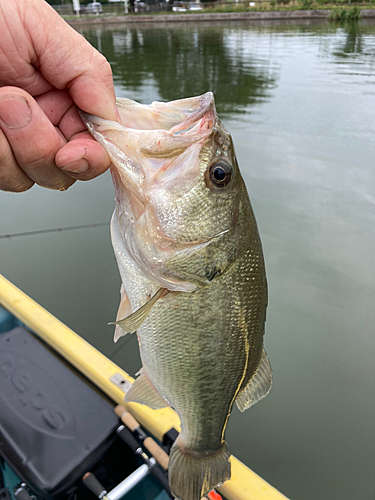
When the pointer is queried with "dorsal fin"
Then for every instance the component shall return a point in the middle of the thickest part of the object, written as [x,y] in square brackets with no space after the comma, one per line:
[258,387]
[131,323]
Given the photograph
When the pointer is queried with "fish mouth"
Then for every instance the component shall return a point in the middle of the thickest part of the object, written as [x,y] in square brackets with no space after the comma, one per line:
[149,139]
[174,116]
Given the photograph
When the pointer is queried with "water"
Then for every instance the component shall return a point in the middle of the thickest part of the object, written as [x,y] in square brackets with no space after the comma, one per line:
[299,101]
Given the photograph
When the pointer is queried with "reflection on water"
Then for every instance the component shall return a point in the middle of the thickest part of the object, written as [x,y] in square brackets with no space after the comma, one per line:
[353,43]
[298,99]
[186,61]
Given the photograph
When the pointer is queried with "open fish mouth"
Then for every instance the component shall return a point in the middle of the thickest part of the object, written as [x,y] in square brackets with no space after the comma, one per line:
[156,148]
[145,145]
[174,116]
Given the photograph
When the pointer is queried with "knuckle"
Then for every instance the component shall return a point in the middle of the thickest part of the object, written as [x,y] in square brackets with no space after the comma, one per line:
[105,69]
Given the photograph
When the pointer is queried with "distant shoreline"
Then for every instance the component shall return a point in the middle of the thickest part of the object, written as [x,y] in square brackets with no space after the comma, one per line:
[211,16]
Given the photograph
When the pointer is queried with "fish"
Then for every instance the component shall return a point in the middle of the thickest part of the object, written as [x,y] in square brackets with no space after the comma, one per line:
[193,276]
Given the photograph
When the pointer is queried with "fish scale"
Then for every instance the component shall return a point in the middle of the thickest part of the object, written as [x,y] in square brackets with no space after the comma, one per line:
[191,263]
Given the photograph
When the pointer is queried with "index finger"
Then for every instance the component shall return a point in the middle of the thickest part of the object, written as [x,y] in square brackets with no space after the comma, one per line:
[66,59]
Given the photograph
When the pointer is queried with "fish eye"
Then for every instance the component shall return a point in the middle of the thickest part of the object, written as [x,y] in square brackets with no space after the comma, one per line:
[220,174]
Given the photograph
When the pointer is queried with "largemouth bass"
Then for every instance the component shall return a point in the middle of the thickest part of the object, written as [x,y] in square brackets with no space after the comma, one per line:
[192,268]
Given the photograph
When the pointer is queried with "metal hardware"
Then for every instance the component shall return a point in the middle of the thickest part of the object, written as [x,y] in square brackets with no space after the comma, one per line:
[121,382]
[127,484]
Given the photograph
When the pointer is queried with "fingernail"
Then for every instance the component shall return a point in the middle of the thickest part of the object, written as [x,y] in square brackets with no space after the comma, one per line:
[14,111]
[76,167]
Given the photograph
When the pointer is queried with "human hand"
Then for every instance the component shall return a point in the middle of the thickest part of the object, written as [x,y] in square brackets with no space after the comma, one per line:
[49,71]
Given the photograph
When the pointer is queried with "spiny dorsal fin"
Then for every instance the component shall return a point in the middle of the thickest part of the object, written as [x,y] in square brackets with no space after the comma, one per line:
[258,387]
[143,392]
[131,323]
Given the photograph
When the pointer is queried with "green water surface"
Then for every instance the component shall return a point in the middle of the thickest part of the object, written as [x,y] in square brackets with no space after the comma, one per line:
[299,100]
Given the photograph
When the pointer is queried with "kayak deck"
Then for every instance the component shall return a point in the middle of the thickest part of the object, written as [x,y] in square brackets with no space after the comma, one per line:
[112,380]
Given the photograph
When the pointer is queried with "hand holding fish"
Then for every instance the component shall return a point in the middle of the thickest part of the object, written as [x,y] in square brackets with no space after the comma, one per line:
[47,71]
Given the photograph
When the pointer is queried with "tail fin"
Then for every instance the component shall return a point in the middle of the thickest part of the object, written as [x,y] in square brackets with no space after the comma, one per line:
[192,475]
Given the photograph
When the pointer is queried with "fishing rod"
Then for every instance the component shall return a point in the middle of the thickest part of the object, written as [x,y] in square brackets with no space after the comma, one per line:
[135,437]
[127,434]
[156,451]
[52,230]
[21,493]
[92,483]
[150,444]
[133,444]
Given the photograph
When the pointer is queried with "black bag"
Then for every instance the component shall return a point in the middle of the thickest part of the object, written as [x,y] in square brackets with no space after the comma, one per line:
[54,424]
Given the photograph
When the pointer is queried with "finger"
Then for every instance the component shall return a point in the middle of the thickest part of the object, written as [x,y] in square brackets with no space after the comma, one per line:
[32,137]
[83,158]
[55,104]
[18,61]
[71,123]
[48,53]
[12,178]
[71,62]
[62,112]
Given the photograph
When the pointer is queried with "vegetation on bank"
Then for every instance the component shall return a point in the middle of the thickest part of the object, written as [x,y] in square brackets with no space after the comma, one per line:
[340,10]
[339,14]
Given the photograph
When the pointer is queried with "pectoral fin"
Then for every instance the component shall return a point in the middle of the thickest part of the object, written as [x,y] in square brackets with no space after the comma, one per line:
[143,392]
[131,323]
[125,309]
[258,386]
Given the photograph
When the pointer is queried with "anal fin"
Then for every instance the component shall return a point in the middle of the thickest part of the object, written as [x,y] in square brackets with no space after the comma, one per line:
[258,386]
[142,391]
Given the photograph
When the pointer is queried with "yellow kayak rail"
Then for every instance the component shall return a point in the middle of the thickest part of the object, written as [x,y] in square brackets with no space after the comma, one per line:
[244,485]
